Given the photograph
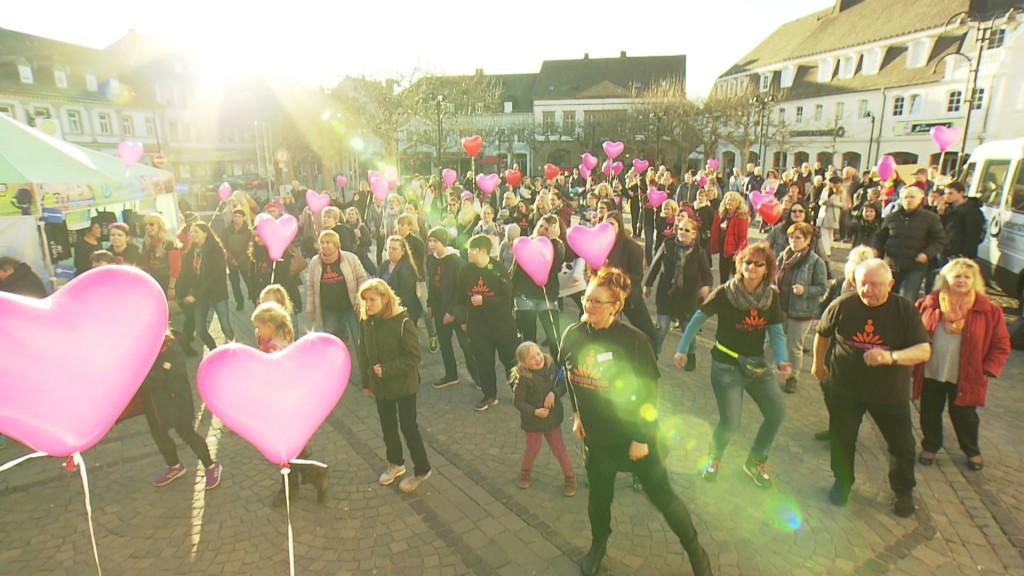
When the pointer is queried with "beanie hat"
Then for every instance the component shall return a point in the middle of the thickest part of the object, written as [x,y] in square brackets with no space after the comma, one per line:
[438,233]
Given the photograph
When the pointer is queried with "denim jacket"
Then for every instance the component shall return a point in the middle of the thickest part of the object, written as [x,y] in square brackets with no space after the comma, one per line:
[811,274]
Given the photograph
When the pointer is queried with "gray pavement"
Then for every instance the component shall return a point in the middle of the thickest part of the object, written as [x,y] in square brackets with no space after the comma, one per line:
[471,518]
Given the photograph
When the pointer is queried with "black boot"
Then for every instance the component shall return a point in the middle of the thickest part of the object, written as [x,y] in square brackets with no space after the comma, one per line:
[592,559]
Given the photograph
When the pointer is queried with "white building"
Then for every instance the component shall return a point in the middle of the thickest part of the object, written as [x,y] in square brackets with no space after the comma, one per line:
[870,77]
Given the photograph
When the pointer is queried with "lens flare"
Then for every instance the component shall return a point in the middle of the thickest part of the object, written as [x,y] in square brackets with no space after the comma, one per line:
[783,512]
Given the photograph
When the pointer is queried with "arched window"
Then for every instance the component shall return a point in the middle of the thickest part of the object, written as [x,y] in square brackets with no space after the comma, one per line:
[800,157]
[852,159]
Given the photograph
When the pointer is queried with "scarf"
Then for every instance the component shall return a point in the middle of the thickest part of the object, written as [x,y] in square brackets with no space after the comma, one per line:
[759,299]
[681,254]
[791,260]
[954,310]
[699,204]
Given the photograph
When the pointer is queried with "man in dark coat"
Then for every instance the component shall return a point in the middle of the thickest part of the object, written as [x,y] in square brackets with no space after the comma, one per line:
[908,239]
[17,277]
[964,224]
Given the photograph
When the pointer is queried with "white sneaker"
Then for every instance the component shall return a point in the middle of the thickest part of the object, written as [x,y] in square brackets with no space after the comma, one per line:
[390,474]
[411,483]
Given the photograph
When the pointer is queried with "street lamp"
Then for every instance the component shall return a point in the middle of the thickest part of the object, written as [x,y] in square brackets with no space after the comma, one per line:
[871,135]
[763,102]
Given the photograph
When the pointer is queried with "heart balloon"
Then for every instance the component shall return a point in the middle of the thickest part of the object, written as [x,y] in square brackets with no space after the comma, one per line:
[317,201]
[589,160]
[886,168]
[584,171]
[130,152]
[613,149]
[640,166]
[535,256]
[702,180]
[757,198]
[551,171]
[276,234]
[487,182]
[371,174]
[513,177]
[770,210]
[341,181]
[945,137]
[448,177]
[610,167]
[656,197]
[713,163]
[472,145]
[379,187]
[592,244]
[224,190]
[58,393]
[276,401]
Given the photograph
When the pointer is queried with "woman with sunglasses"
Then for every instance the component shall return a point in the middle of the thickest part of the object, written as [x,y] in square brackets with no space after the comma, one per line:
[747,307]
[685,278]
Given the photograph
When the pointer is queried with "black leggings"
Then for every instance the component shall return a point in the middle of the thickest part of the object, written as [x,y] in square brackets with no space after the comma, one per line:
[165,444]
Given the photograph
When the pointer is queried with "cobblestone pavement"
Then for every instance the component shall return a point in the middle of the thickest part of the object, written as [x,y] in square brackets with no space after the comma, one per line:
[471,518]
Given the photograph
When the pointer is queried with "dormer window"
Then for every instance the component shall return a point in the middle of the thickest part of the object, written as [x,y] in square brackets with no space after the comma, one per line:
[917,53]
[787,76]
[60,78]
[90,83]
[115,86]
[766,81]
[847,66]
[872,61]
[826,68]
[25,74]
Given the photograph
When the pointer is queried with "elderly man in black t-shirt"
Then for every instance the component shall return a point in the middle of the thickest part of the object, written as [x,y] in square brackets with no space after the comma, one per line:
[876,337]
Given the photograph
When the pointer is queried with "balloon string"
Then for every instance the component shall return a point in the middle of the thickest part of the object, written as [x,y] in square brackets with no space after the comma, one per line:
[285,470]
[88,508]
[310,462]
[17,461]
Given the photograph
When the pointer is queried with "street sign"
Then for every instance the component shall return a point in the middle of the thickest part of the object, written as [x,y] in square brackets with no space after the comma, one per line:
[159,160]
[281,155]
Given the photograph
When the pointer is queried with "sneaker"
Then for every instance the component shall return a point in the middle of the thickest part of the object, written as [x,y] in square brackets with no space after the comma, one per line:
[445,382]
[524,479]
[169,475]
[485,404]
[790,387]
[570,486]
[389,475]
[839,495]
[759,472]
[433,344]
[903,506]
[213,476]
[710,471]
[411,483]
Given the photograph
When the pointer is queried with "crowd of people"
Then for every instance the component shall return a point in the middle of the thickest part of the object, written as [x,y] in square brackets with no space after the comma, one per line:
[374,269]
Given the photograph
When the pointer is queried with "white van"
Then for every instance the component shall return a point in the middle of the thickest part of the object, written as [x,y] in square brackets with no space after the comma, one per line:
[995,176]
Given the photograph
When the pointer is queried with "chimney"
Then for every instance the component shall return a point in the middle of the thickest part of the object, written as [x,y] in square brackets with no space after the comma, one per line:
[586,55]
[622,54]
[842,5]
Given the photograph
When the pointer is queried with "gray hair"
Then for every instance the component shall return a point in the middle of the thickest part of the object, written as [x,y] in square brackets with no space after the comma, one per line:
[874,264]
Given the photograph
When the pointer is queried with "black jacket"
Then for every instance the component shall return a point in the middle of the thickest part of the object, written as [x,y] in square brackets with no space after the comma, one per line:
[904,235]
[442,283]
[528,394]
[23,281]
[167,389]
[393,343]
[679,302]
[965,229]
[211,282]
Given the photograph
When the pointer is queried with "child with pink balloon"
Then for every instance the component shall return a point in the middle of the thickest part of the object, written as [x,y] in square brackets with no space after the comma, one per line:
[274,333]
[537,393]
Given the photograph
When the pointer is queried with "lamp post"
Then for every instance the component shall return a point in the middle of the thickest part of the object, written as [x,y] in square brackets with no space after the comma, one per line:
[439,103]
[871,135]
[762,102]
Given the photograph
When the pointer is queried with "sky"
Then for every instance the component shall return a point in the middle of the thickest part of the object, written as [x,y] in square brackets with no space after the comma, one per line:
[319,42]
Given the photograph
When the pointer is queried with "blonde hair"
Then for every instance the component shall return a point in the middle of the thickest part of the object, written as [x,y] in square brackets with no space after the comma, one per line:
[331,236]
[855,257]
[276,316]
[277,294]
[162,234]
[742,210]
[391,304]
[333,212]
[669,204]
[960,265]
[523,352]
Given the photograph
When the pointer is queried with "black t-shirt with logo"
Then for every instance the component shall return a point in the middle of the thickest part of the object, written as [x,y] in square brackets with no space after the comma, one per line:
[740,330]
[333,288]
[855,328]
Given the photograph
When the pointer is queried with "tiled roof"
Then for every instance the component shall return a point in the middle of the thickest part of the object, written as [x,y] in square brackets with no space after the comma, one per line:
[568,79]
[44,55]
[517,89]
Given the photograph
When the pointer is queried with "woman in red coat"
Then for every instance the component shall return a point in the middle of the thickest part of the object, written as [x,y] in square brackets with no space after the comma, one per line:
[970,344]
[729,233]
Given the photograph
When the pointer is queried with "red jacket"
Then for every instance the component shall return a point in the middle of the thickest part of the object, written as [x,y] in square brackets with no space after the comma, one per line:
[984,348]
[735,235]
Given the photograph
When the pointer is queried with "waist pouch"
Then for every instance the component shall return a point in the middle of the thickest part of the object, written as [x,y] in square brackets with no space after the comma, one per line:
[750,366]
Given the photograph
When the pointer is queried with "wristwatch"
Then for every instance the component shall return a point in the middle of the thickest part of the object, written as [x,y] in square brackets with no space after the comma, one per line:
[894,359]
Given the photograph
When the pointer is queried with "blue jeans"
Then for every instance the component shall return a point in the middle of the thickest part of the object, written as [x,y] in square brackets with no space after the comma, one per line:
[203,321]
[344,325]
[908,284]
[662,325]
[728,384]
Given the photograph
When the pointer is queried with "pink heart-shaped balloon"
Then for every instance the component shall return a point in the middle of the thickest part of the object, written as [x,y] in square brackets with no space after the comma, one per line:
[945,137]
[770,210]
[513,177]
[487,182]
[60,393]
[656,197]
[551,171]
[276,401]
[276,234]
[886,168]
[589,160]
[613,149]
[317,201]
[757,198]
[713,163]
[449,176]
[371,174]
[224,190]
[702,180]
[584,171]
[640,166]
[535,256]
[610,167]
[341,181]
[130,152]
[379,187]
[592,244]
[472,145]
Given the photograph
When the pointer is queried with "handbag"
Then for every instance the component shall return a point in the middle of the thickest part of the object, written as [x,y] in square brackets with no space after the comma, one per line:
[750,366]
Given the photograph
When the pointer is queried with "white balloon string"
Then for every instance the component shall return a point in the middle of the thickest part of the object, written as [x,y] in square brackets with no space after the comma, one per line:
[80,462]
[17,461]
[311,462]
[288,506]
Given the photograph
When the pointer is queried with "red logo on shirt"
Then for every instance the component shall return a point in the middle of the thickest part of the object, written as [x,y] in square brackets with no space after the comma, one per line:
[481,289]
[753,322]
[868,338]
[588,373]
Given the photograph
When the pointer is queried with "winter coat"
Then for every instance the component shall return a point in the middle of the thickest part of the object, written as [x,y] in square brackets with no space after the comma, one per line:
[811,274]
[904,235]
[236,244]
[965,229]
[528,394]
[403,281]
[984,347]
[23,281]
[167,391]
[210,284]
[735,235]
[679,302]
[393,343]
[354,275]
